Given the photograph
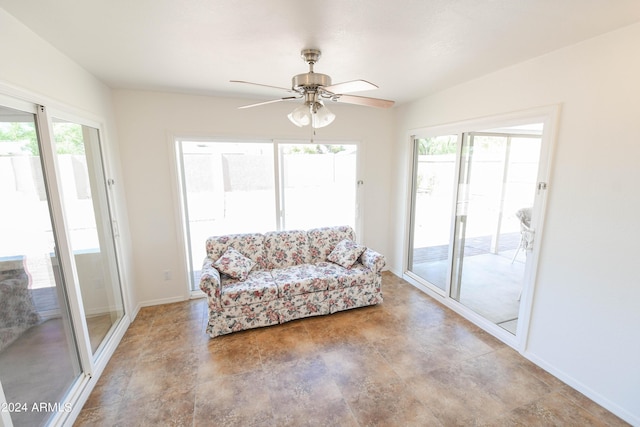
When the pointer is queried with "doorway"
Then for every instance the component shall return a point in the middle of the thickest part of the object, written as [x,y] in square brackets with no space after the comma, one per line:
[477,194]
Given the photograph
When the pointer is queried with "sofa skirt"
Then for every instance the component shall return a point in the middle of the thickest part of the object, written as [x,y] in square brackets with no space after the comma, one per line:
[305,305]
[354,297]
[249,316]
[223,324]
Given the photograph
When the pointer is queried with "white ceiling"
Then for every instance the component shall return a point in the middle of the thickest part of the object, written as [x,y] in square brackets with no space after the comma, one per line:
[410,48]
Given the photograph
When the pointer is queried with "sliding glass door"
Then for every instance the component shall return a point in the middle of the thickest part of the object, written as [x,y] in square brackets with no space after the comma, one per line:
[60,296]
[39,360]
[433,197]
[318,185]
[473,197]
[226,187]
[259,186]
[79,160]
[497,182]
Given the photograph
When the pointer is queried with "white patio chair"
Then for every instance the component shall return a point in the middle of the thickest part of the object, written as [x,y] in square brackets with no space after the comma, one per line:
[526,235]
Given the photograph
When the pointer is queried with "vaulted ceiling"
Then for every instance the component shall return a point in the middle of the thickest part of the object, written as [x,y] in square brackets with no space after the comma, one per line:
[410,48]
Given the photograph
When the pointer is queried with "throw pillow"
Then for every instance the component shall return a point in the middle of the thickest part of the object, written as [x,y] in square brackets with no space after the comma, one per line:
[346,253]
[234,264]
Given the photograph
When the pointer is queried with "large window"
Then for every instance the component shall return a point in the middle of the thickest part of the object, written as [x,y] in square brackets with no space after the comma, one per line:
[259,186]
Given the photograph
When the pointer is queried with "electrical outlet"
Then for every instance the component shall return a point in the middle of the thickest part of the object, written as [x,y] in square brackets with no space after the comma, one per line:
[167,275]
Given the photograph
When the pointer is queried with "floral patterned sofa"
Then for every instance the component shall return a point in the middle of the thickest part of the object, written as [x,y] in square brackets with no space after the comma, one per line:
[255,280]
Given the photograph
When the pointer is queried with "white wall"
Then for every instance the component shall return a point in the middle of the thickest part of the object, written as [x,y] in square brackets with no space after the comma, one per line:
[34,71]
[585,324]
[147,122]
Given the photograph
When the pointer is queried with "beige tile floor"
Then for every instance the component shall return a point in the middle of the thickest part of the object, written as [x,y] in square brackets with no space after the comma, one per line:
[408,361]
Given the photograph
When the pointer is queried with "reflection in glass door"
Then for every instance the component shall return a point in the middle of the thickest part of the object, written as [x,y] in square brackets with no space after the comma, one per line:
[84,191]
[496,191]
[38,357]
[433,183]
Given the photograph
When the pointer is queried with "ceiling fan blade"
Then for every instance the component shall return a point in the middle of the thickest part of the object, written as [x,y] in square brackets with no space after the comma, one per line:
[268,102]
[260,84]
[352,86]
[363,100]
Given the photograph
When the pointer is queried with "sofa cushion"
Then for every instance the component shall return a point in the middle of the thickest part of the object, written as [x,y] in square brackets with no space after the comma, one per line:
[234,264]
[346,253]
[286,248]
[299,279]
[340,277]
[258,287]
[250,245]
[323,240]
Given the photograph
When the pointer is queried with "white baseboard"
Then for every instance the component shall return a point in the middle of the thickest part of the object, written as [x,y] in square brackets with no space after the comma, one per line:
[393,270]
[150,303]
[161,301]
[632,419]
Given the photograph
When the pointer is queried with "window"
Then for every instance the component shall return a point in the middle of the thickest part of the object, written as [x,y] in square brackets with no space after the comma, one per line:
[258,186]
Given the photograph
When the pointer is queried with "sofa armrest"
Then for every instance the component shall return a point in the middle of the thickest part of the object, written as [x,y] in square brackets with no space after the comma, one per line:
[210,282]
[373,260]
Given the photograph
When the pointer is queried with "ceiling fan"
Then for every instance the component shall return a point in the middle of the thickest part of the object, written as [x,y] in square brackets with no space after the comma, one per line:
[315,89]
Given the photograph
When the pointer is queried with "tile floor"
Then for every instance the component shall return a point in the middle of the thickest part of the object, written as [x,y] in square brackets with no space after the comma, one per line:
[408,361]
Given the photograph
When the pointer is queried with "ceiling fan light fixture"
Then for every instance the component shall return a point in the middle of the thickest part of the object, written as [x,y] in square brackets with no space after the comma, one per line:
[321,116]
[301,116]
[313,113]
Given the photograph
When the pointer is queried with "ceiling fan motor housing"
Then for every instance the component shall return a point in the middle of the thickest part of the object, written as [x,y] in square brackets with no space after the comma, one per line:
[310,81]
